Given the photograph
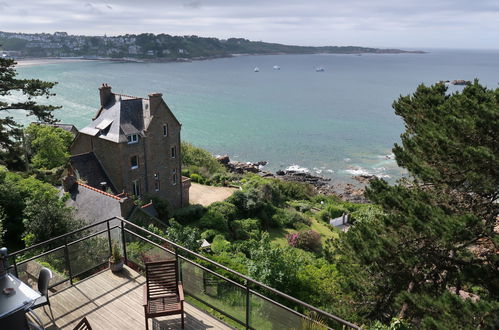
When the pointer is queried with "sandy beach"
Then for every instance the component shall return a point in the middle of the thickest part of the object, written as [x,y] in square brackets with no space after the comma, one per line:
[42,61]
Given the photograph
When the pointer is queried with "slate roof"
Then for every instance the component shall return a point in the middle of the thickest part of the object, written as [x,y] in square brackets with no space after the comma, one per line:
[90,170]
[121,116]
[93,205]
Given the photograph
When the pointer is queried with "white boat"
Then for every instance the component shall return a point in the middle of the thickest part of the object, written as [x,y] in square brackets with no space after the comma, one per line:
[320,69]
[277,67]
[257,69]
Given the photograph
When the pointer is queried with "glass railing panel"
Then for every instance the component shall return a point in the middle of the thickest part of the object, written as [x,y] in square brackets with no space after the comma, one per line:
[265,314]
[28,271]
[140,251]
[88,254]
[213,290]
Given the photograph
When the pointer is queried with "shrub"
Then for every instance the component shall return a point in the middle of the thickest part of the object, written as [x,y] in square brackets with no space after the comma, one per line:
[209,234]
[244,229]
[189,214]
[228,210]
[186,172]
[213,219]
[197,178]
[288,218]
[295,190]
[220,244]
[309,240]
[194,156]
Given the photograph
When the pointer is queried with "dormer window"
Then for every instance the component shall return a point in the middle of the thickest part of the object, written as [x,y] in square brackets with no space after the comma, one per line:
[133,138]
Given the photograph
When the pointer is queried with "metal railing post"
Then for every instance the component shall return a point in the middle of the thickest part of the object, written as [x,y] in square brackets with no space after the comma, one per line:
[123,241]
[68,262]
[247,305]
[109,239]
[15,267]
[178,265]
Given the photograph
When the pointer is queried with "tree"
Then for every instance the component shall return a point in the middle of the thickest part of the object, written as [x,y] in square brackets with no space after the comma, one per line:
[48,145]
[10,131]
[435,236]
[451,141]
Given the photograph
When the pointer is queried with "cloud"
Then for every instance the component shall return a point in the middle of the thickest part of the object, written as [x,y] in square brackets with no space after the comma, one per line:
[395,23]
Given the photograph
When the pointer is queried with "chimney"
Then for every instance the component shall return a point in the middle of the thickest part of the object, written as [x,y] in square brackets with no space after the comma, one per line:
[105,93]
[154,101]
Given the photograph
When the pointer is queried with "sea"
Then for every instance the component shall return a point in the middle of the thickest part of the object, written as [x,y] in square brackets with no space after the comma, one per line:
[336,123]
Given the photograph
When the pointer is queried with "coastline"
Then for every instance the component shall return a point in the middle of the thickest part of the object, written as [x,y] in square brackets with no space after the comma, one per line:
[55,60]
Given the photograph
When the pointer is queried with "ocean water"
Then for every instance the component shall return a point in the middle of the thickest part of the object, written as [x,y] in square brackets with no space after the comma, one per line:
[335,123]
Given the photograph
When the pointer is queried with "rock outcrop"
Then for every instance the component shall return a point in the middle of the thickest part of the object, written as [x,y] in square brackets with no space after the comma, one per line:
[346,191]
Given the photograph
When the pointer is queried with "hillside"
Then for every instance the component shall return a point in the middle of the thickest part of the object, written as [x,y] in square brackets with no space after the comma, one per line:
[151,46]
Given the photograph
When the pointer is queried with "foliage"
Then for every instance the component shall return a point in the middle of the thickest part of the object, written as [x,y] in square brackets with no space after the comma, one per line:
[289,219]
[48,145]
[188,237]
[245,228]
[33,210]
[220,244]
[2,220]
[31,89]
[213,219]
[197,158]
[209,234]
[189,213]
[274,266]
[115,253]
[451,141]
[161,205]
[435,233]
[308,240]
[196,178]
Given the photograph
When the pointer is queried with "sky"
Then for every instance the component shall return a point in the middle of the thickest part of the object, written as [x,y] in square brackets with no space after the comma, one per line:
[408,24]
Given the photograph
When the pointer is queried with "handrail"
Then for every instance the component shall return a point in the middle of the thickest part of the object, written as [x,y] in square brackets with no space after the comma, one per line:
[192,253]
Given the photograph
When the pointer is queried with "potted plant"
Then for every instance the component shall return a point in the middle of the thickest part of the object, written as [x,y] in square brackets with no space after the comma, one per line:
[116,260]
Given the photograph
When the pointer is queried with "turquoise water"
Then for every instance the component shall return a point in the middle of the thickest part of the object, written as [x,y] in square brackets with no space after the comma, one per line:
[335,123]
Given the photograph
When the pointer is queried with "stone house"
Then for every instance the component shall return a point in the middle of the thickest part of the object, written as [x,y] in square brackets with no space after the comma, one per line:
[132,145]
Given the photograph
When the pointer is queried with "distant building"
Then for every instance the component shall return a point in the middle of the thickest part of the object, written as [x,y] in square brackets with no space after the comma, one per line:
[133,146]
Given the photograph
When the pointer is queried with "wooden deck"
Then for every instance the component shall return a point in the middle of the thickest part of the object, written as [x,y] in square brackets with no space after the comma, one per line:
[114,301]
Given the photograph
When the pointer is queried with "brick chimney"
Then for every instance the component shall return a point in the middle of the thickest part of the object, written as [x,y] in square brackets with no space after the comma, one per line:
[154,101]
[105,94]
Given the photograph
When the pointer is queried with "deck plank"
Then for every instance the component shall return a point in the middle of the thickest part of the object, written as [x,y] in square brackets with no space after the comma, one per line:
[114,301]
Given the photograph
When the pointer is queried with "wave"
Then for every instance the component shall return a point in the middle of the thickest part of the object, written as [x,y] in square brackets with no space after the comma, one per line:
[297,168]
[378,172]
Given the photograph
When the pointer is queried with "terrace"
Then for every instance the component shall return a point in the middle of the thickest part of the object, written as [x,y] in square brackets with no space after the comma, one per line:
[216,296]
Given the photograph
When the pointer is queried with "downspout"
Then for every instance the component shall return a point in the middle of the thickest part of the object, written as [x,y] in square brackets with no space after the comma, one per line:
[145,166]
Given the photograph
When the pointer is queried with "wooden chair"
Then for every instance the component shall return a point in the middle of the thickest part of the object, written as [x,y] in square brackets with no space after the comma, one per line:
[163,293]
[83,325]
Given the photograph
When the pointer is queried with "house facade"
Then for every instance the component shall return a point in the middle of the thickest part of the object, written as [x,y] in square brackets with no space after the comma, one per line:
[136,143]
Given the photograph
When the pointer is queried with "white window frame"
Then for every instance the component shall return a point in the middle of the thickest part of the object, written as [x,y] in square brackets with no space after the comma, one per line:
[173,151]
[133,138]
[136,187]
[133,167]
[174,177]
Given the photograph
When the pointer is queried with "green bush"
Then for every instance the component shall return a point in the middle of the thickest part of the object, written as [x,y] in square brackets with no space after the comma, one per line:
[228,210]
[244,229]
[194,156]
[197,178]
[213,219]
[220,244]
[288,218]
[189,214]
[209,234]
[186,172]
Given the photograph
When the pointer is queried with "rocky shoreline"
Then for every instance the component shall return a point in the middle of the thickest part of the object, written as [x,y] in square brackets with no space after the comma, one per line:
[346,191]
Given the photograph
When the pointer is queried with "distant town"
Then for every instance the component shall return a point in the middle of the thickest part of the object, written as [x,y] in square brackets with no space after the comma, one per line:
[148,46]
